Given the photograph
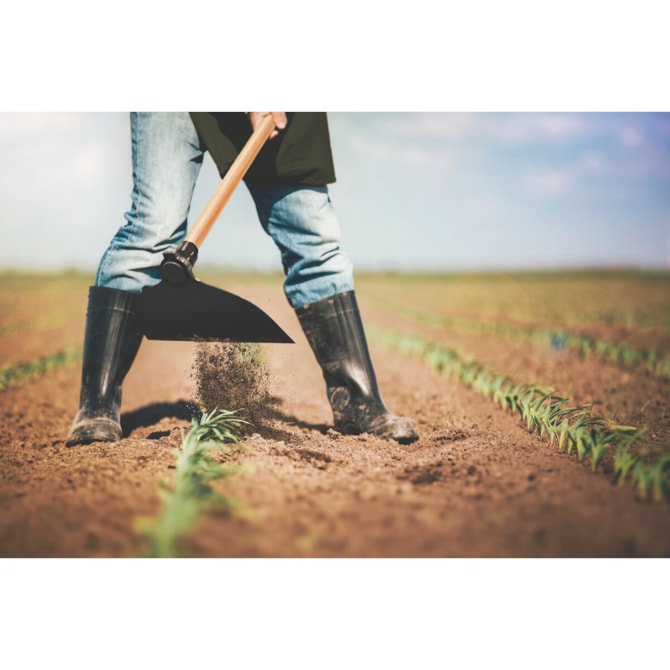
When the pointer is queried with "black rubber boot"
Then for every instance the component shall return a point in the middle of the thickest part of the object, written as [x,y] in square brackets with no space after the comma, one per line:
[334,330]
[111,342]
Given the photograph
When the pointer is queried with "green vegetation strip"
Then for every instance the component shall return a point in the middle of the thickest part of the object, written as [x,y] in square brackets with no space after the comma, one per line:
[25,371]
[571,427]
[583,344]
[192,495]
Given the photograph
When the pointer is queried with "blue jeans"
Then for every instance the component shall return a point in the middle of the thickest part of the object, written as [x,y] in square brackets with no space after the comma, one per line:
[167,157]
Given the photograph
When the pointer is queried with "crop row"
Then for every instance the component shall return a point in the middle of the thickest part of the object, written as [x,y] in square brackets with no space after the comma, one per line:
[572,428]
[192,496]
[558,339]
[11,374]
[586,345]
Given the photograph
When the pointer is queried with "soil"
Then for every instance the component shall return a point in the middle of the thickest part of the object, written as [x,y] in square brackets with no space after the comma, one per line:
[476,483]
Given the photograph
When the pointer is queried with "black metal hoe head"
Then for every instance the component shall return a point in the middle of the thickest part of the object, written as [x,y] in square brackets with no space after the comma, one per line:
[183,308]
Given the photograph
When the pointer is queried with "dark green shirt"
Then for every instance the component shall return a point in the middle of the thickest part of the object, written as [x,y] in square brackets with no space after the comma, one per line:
[299,155]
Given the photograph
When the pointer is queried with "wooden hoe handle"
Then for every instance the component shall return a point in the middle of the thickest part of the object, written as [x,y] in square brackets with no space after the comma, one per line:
[230,182]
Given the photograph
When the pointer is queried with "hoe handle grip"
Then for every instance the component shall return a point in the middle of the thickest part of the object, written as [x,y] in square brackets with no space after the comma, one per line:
[230,182]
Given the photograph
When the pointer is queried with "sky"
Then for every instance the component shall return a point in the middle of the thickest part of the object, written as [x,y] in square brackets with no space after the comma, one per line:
[433,191]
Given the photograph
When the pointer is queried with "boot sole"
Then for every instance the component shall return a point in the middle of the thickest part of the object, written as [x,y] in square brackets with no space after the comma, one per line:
[94,431]
[402,435]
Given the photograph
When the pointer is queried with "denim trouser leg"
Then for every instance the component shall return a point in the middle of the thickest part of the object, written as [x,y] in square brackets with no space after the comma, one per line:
[167,157]
[303,225]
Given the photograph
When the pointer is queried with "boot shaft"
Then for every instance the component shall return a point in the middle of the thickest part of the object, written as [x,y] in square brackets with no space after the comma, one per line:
[111,342]
[334,330]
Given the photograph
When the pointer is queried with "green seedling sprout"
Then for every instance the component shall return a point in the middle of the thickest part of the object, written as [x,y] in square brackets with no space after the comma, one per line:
[598,453]
[642,479]
[660,479]
[573,427]
[192,495]
[13,374]
[584,344]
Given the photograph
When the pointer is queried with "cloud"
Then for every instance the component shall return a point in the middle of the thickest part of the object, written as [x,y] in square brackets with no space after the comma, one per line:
[429,125]
[550,182]
[530,128]
[630,137]
[560,126]
[543,155]
[89,162]
[381,148]
[498,127]
[594,162]
[70,149]
[18,127]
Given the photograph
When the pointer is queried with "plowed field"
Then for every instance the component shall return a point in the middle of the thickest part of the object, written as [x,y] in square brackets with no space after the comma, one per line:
[476,484]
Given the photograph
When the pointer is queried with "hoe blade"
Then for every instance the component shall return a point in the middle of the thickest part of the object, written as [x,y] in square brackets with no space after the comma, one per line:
[194,311]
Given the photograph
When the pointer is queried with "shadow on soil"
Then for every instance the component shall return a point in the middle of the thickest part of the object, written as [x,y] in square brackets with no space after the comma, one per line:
[153,414]
[279,417]
[268,425]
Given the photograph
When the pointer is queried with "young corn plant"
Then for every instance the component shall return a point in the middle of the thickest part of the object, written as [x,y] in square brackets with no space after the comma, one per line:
[660,479]
[191,496]
[653,480]
[624,462]
[650,480]
[13,374]
[573,428]
[585,345]
[642,480]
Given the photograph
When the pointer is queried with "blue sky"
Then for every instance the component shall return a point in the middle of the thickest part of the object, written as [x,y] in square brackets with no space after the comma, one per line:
[415,191]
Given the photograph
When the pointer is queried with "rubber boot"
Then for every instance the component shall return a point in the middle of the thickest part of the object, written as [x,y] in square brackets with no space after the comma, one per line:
[334,330]
[111,342]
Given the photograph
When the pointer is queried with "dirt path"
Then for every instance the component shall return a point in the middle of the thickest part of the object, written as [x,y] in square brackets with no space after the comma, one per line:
[475,485]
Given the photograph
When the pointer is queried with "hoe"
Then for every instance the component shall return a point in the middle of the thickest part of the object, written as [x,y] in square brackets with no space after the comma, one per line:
[181,307]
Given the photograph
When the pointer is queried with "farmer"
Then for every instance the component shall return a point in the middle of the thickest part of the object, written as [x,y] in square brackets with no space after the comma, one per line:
[288,183]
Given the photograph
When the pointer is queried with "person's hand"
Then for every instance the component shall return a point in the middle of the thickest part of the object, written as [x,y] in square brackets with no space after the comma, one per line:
[278,117]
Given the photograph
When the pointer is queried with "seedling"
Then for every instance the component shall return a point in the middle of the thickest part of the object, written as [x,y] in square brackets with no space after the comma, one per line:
[546,413]
[659,474]
[583,344]
[192,495]
[598,453]
[623,462]
[31,369]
